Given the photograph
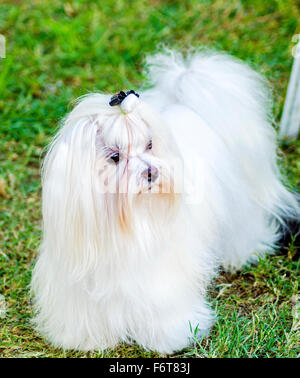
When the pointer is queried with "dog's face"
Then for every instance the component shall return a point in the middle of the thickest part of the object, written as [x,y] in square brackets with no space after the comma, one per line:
[135,165]
[110,172]
[129,158]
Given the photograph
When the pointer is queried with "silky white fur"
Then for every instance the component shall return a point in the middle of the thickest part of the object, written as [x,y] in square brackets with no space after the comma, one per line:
[126,262]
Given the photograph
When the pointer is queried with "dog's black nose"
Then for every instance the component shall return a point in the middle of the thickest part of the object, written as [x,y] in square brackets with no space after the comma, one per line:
[150,174]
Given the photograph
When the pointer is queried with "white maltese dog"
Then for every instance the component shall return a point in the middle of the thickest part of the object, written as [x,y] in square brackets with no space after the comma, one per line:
[146,196]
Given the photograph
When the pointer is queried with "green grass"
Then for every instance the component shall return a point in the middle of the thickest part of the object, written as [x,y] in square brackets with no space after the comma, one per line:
[57,51]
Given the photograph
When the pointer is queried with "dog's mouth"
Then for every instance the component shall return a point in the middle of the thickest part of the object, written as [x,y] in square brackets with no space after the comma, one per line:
[154,199]
[146,191]
[155,188]
[151,188]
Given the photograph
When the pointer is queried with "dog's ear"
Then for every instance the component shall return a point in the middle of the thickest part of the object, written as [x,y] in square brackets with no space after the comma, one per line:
[69,195]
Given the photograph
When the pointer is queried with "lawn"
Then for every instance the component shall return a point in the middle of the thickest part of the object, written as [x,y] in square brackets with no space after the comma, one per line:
[59,50]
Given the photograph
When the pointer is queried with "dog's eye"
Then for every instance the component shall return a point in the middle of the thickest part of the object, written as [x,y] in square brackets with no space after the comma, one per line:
[149,146]
[115,157]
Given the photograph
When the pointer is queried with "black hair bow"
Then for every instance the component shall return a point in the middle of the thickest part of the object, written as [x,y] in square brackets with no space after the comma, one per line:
[119,97]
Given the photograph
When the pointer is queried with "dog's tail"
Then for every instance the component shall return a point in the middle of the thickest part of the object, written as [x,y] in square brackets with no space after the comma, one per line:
[227,94]
[234,101]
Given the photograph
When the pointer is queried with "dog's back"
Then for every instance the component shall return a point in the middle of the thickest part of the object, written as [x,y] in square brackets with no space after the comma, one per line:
[234,102]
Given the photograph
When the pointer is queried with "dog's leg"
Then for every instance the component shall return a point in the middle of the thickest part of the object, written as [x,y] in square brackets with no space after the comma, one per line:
[66,314]
[178,329]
